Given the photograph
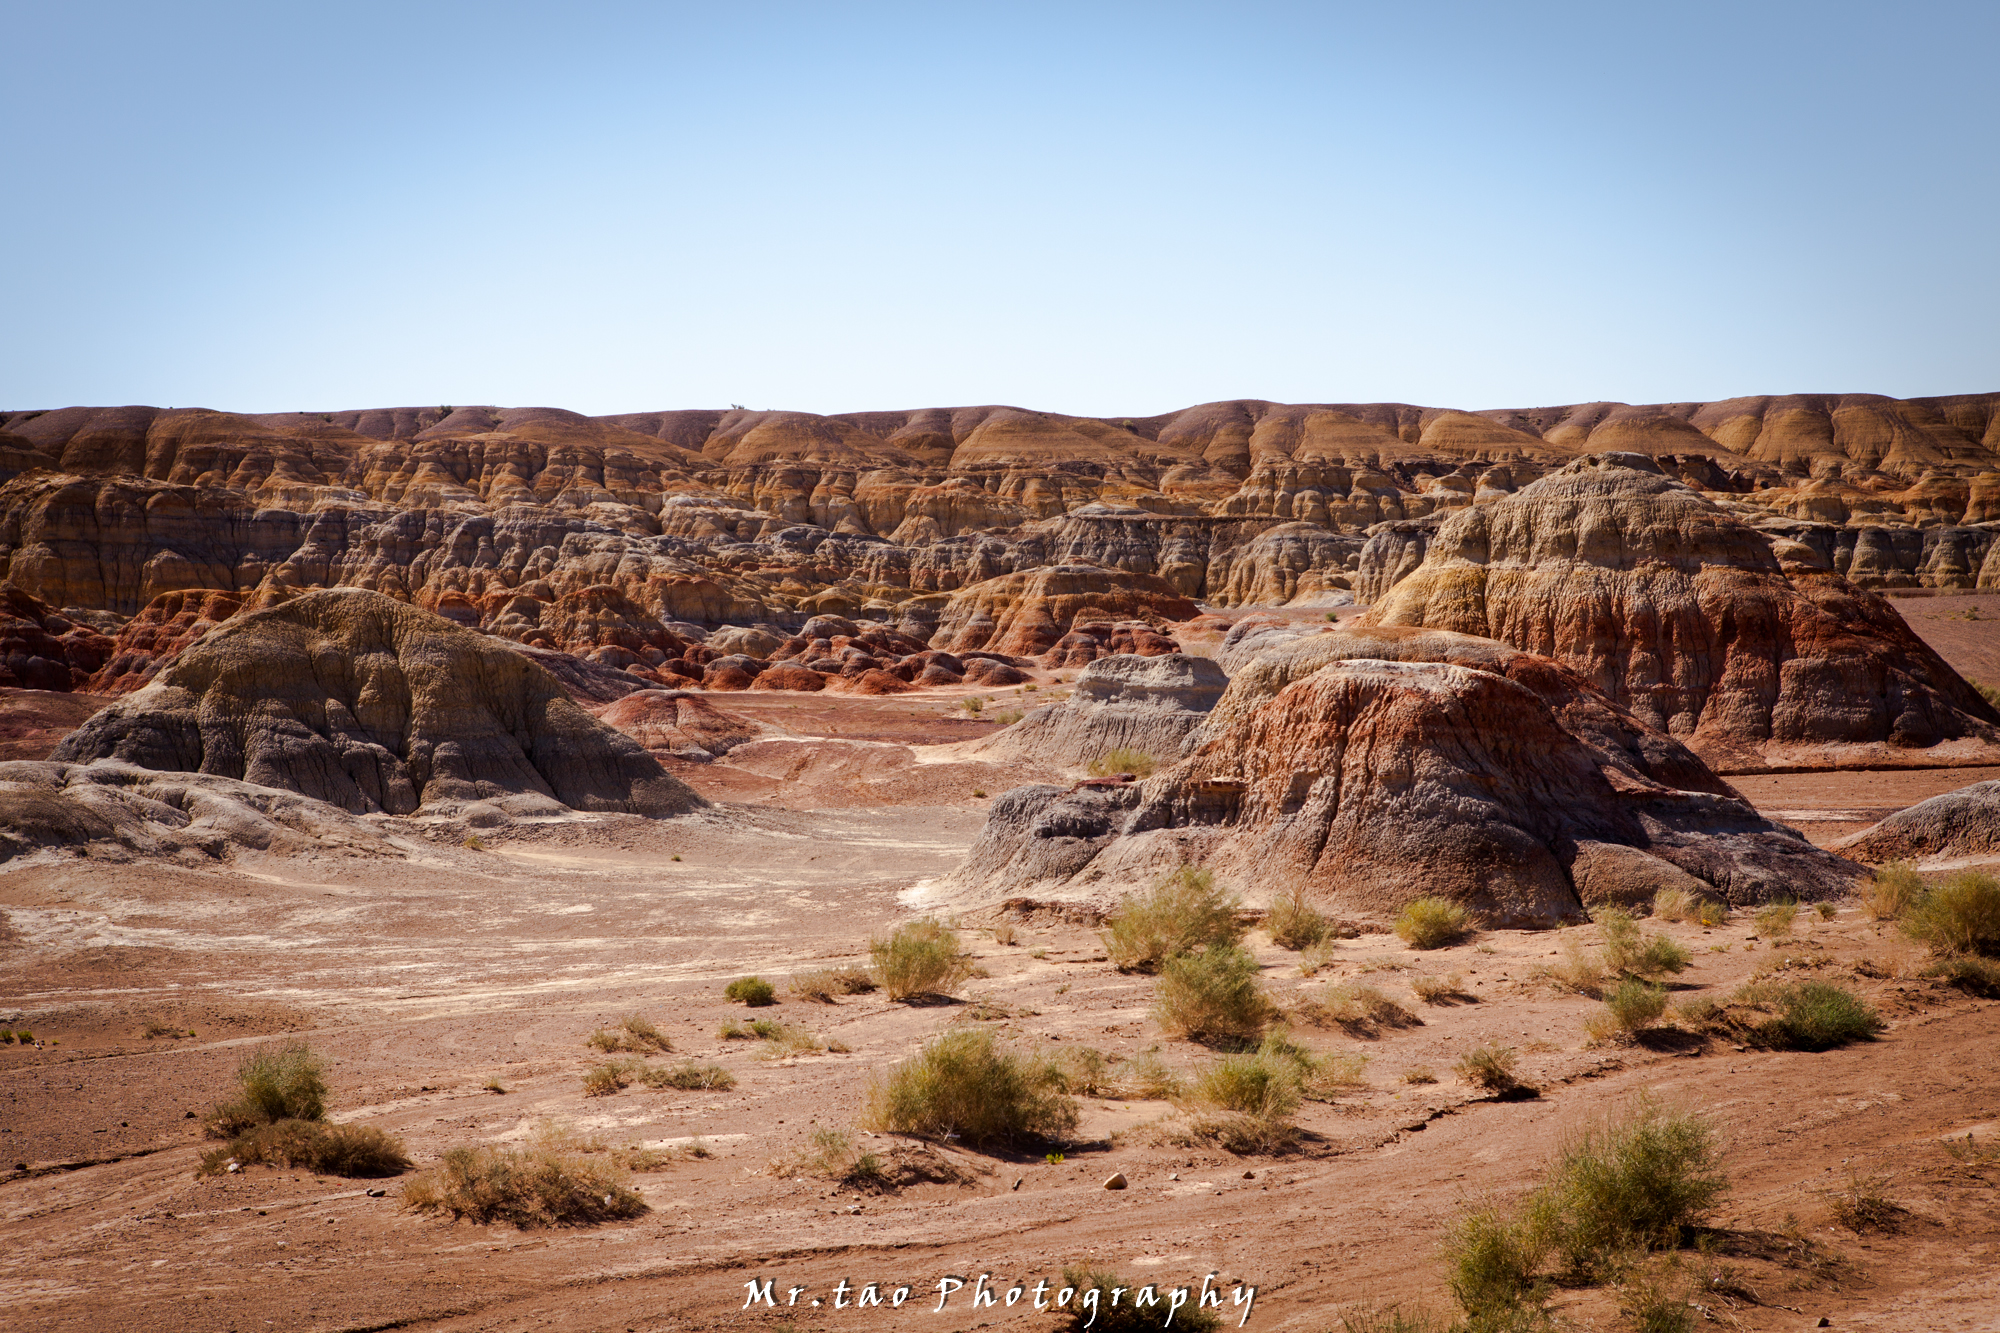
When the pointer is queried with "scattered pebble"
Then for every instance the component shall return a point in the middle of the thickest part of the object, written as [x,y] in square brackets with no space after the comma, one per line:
[1117,1182]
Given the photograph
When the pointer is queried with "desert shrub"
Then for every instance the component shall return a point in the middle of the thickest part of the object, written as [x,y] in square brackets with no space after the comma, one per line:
[1437,989]
[1891,892]
[551,1181]
[1975,976]
[1580,971]
[1675,905]
[1628,950]
[1090,1306]
[279,1082]
[1961,915]
[973,705]
[334,1150]
[1630,1006]
[1294,925]
[1213,996]
[1776,918]
[1817,1016]
[1655,1305]
[1490,1067]
[1182,913]
[1261,1083]
[964,1083]
[610,1077]
[1005,933]
[1420,1074]
[918,958]
[1081,1070]
[1712,912]
[1398,1319]
[1490,1263]
[689,1077]
[1432,923]
[1314,958]
[825,983]
[1864,1206]
[1147,1076]
[1358,1009]
[1136,762]
[633,1033]
[754,992]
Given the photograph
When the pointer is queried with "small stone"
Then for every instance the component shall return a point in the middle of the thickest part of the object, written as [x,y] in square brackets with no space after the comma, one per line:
[1175,1175]
[1249,1175]
[1824,1322]
[1117,1182]
[376,1194]
[1018,1180]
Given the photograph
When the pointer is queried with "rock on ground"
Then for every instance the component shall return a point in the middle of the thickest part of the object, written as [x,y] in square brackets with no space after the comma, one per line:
[1340,768]
[1150,704]
[356,699]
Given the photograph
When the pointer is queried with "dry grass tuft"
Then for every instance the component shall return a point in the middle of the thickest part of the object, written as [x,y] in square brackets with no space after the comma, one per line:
[334,1150]
[286,1081]
[1629,951]
[1438,989]
[1419,1074]
[1489,1067]
[1864,1206]
[1295,925]
[1891,892]
[1361,1011]
[1675,905]
[1630,1007]
[689,1077]
[1960,915]
[1432,923]
[1184,912]
[633,1033]
[1136,762]
[825,983]
[1776,918]
[755,992]
[552,1181]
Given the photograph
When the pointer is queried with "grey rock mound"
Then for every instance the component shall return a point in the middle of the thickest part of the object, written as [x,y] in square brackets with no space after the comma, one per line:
[1150,704]
[369,704]
[111,804]
[1959,824]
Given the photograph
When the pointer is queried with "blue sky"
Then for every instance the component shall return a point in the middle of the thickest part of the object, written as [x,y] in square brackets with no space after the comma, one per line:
[1109,208]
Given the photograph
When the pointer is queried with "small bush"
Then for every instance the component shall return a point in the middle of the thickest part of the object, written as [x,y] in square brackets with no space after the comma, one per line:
[754,992]
[1675,905]
[1712,912]
[919,958]
[963,1084]
[1213,996]
[1627,950]
[612,1076]
[1436,990]
[1490,1264]
[281,1082]
[1633,1184]
[334,1150]
[1579,972]
[1356,1008]
[1092,1306]
[1262,1083]
[689,1077]
[1827,911]
[825,983]
[1817,1016]
[1864,1206]
[1419,1074]
[1006,934]
[1136,762]
[1961,915]
[1891,892]
[550,1182]
[1294,925]
[1432,923]
[974,705]
[1774,919]
[1147,1077]
[1630,1006]
[1490,1067]
[633,1033]
[1398,1319]
[1975,976]
[1182,913]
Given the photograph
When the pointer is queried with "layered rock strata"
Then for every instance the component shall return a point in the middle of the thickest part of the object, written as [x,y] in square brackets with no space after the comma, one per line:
[358,700]
[1152,705]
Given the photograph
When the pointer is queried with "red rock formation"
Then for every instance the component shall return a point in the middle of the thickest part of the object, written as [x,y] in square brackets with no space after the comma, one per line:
[41,649]
[169,624]
[1026,615]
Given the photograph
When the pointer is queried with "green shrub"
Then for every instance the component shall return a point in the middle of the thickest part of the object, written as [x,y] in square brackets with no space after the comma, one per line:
[1182,913]
[1627,950]
[334,1150]
[1490,1263]
[1294,925]
[1579,971]
[1630,1006]
[1817,1016]
[281,1082]
[1675,905]
[1398,1319]
[1214,996]
[1432,923]
[752,991]
[1091,1306]
[1975,976]
[1775,918]
[1136,762]
[1356,1008]
[613,1076]
[552,1181]
[965,1084]
[1891,892]
[919,958]
[1961,915]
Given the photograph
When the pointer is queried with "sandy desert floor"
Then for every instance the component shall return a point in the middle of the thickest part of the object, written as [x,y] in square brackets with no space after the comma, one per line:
[425,980]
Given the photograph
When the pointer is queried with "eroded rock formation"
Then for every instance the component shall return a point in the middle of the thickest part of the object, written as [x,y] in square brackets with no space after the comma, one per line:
[1365,770]
[1153,705]
[358,700]
[1677,610]
[1961,825]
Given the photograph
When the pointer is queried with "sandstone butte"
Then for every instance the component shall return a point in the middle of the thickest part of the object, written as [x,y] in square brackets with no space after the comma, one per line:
[1365,768]
[996,535]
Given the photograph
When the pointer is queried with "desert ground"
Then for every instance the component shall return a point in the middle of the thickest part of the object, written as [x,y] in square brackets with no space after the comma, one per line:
[452,993]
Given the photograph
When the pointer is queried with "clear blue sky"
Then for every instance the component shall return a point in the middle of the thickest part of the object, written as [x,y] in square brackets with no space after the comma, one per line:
[1111,208]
